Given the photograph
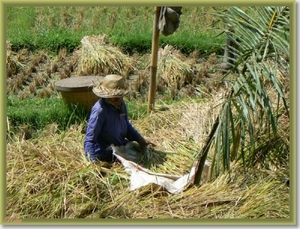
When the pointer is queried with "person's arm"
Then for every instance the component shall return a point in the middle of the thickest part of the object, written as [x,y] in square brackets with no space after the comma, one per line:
[134,135]
[93,130]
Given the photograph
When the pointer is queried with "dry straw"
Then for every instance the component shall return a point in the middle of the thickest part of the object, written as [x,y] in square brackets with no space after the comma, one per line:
[49,178]
[13,66]
[98,57]
[172,69]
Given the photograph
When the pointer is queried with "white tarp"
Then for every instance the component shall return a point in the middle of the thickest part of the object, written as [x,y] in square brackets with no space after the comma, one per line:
[141,176]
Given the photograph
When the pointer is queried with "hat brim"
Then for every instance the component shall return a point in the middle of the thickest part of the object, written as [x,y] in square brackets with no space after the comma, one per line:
[110,94]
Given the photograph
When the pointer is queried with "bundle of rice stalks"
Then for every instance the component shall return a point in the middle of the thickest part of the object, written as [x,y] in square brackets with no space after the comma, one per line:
[199,118]
[98,57]
[13,66]
[172,69]
[180,132]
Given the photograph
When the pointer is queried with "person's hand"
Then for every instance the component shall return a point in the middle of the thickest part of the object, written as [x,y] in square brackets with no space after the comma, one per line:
[143,142]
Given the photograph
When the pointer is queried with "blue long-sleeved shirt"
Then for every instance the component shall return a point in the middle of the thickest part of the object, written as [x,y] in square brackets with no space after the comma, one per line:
[107,126]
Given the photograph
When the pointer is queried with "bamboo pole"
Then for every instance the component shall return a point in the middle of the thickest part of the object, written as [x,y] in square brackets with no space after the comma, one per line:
[153,65]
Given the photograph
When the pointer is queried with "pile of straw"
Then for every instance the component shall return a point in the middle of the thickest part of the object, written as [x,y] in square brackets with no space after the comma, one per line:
[98,57]
[49,178]
[172,69]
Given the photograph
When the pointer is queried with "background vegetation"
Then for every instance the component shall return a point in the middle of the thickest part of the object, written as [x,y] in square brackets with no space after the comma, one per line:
[52,28]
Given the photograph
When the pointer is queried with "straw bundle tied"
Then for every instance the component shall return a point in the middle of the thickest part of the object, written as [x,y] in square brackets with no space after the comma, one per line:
[172,69]
[13,66]
[98,57]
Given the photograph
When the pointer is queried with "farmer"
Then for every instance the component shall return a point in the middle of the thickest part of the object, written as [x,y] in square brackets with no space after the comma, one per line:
[108,123]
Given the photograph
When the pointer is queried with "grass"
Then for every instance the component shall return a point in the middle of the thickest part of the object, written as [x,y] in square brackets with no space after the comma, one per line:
[37,113]
[52,28]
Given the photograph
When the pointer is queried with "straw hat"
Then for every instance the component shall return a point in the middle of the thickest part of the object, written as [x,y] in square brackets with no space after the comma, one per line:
[112,86]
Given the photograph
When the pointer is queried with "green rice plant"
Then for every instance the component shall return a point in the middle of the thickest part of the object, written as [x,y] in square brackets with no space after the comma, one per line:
[129,27]
[136,110]
[36,113]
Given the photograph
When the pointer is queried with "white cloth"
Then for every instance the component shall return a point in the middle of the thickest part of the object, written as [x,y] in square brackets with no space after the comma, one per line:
[141,176]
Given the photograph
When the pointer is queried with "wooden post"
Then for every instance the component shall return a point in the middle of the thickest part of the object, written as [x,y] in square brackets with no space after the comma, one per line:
[153,65]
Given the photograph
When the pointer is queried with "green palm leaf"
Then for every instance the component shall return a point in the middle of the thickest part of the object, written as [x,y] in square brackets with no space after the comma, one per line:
[257,96]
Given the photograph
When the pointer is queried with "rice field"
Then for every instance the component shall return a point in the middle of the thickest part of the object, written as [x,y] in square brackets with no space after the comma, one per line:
[49,179]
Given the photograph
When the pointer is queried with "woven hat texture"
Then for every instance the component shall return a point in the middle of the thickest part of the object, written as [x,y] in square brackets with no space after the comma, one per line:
[112,86]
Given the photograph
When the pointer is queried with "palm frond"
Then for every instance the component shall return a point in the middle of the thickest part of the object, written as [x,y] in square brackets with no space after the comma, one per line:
[257,93]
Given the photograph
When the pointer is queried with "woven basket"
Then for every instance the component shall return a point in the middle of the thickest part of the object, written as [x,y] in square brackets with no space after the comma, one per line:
[86,99]
[78,90]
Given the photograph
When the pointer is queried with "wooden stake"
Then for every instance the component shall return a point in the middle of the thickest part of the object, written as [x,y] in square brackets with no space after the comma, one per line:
[153,65]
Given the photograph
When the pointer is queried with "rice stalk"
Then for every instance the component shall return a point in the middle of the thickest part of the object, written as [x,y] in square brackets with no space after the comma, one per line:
[172,69]
[100,58]
[49,178]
